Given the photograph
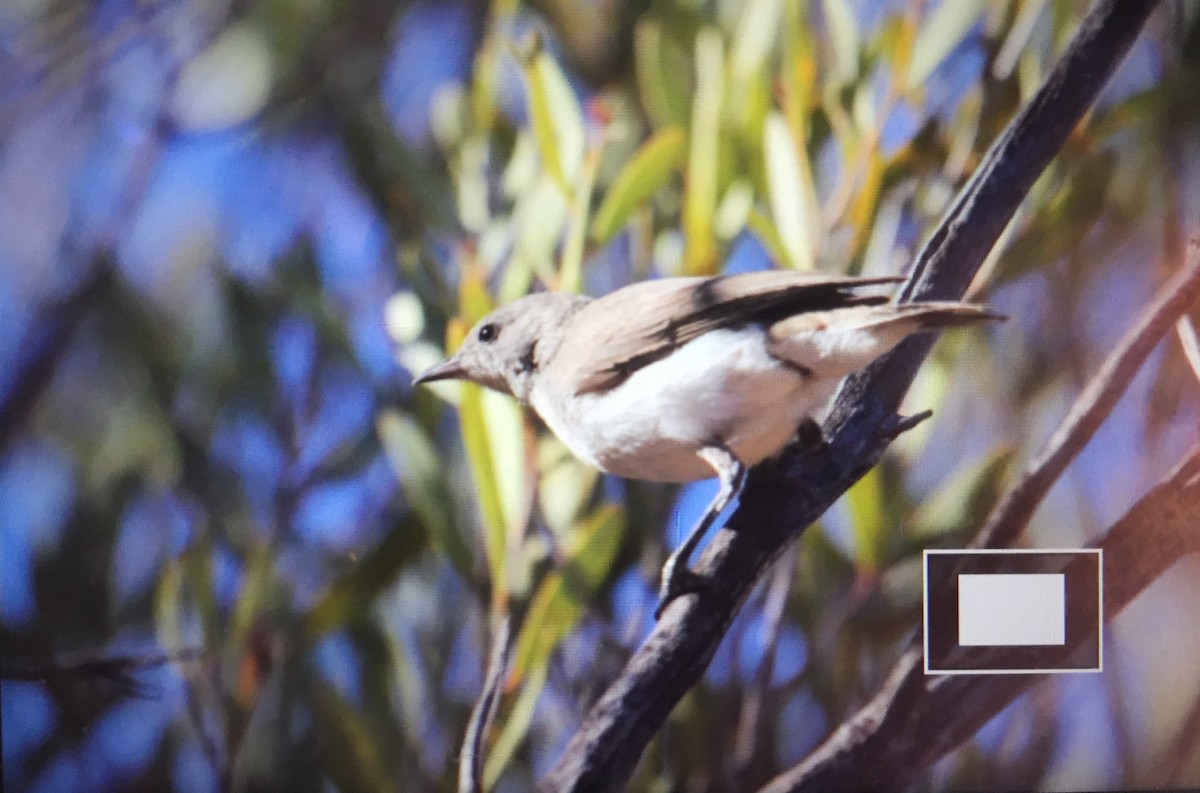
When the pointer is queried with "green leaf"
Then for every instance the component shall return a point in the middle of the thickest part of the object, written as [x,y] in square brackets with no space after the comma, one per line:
[1018,38]
[560,599]
[789,185]
[929,389]
[553,613]
[822,568]
[940,34]
[474,302]
[404,317]
[700,200]
[862,107]
[471,184]
[751,74]
[517,281]
[515,728]
[539,217]
[1061,226]
[649,169]
[200,585]
[257,584]
[570,269]
[348,743]
[869,519]
[505,422]
[843,33]
[413,693]
[169,605]
[556,117]
[764,228]
[757,32]
[418,466]
[565,487]
[734,210]
[476,438]
[661,75]
[351,596]
[226,84]
[137,438]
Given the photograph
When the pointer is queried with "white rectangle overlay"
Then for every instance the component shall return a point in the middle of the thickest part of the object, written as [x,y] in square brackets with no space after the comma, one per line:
[1012,609]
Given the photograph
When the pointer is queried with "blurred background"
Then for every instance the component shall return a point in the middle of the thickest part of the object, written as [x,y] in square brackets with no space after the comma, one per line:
[240,552]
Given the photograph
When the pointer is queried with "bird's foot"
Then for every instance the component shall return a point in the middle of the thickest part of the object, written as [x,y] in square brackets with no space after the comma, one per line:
[809,437]
[678,580]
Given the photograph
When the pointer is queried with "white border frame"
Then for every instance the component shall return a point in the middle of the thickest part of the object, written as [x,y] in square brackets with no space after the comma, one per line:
[1097,552]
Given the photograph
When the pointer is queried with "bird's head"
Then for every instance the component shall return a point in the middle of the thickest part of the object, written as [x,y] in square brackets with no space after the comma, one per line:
[506,348]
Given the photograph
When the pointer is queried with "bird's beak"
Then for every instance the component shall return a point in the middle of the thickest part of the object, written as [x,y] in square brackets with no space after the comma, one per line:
[449,369]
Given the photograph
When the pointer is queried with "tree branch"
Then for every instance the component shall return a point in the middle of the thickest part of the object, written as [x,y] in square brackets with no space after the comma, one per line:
[118,670]
[46,343]
[1094,404]
[470,769]
[783,497]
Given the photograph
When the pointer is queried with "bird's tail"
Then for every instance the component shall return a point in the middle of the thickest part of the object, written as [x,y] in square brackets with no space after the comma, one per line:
[837,342]
[893,323]
[911,318]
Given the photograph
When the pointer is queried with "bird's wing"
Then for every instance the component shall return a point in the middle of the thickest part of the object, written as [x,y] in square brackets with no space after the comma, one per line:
[617,334]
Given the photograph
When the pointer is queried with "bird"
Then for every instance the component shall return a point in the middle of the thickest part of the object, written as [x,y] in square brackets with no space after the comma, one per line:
[678,379]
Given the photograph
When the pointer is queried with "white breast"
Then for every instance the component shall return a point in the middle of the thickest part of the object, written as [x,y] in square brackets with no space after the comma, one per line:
[722,386]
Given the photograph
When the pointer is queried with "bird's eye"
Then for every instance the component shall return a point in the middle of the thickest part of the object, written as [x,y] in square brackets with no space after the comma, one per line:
[488,333]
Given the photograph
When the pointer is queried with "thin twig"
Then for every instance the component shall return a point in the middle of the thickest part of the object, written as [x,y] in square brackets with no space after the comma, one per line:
[1094,404]
[1190,343]
[749,743]
[196,712]
[118,670]
[470,769]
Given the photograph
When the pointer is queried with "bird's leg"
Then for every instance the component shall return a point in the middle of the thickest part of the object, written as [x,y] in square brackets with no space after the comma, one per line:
[677,578]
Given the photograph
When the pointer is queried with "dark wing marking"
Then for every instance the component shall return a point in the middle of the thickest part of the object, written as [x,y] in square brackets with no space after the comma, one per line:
[617,334]
[528,362]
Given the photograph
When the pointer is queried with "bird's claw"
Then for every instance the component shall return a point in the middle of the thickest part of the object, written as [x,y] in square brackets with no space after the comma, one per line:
[810,439]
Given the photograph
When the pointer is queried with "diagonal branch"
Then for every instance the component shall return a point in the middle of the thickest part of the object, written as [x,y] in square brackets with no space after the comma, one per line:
[45,346]
[781,499]
[1094,404]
